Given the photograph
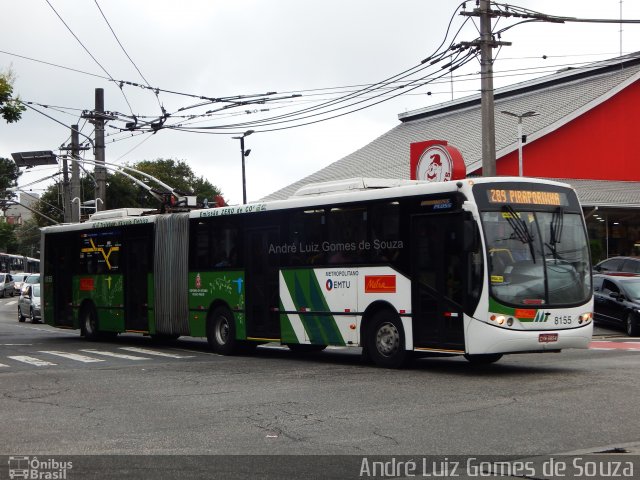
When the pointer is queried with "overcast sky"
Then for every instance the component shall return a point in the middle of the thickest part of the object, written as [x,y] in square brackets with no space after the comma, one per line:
[227,48]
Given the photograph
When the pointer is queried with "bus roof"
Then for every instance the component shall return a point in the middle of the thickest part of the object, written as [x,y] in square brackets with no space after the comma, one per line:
[314,195]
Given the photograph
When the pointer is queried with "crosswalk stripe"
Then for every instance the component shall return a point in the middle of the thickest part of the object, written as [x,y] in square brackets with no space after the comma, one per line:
[146,351]
[115,355]
[31,360]
[74,356]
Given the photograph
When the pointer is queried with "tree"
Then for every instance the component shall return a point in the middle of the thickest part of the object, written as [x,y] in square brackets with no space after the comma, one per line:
[9,173]
[28,238]
[178,174]
[7,238]
[10,107]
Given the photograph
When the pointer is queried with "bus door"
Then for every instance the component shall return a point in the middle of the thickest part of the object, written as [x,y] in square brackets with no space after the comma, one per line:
[137,262]
[61,252]
[261,284]
[438,272]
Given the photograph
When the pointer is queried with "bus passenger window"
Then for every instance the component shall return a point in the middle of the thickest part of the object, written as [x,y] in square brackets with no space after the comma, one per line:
[305,234]
[347,235]
[385,243]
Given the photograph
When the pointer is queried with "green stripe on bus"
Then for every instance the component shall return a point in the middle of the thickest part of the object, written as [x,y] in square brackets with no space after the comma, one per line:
[307,293]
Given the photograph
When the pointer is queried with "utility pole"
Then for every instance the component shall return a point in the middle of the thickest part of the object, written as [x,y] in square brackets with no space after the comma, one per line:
[75,173]
[100,170]
[486,89]
[66,201]
[98,118]
[486,45]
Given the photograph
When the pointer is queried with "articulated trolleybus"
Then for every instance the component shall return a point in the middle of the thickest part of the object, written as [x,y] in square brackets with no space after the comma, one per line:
[478,267]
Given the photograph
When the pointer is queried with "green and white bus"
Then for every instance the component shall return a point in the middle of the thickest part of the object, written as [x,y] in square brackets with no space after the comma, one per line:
[478,267]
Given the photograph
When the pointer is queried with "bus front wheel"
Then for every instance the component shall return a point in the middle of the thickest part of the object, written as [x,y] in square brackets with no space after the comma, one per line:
[221,331]
[385,340]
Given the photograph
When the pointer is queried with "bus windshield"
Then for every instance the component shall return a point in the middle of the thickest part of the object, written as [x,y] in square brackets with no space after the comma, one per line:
[537,257]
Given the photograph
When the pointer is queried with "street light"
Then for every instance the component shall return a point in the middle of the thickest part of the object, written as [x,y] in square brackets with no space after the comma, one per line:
[528,114]
[244,153]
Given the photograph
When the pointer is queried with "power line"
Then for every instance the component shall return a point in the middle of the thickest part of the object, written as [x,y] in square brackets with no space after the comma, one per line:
[87,50]
[127,55]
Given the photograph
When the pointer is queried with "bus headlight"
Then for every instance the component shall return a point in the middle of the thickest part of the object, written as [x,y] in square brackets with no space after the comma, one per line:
[585,317]
[499,319]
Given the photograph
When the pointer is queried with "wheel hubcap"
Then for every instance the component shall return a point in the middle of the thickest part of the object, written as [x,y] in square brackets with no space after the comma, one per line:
[222,331]
[387,339]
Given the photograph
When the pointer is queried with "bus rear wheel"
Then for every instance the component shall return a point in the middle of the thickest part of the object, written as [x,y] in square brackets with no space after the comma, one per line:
[483,359]
[385,340]
[89,324]
[221,331]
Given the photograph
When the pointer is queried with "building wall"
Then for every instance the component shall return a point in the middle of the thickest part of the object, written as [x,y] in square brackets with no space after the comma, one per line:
[601,144]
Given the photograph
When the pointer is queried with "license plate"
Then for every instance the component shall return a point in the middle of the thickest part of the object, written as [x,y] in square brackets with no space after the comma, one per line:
[547,337]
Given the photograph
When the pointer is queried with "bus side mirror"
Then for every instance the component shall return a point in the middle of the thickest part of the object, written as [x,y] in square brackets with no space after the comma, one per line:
[469,236]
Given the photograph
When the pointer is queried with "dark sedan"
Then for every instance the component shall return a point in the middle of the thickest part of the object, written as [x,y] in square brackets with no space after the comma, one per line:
[617,301]
[618,264]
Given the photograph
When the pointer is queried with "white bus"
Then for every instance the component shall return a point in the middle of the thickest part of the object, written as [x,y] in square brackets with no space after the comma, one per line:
[478,267]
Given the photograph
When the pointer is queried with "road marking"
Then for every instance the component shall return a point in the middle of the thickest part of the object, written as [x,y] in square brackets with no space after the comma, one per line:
[60,332]
[153,352]
[74,356]
[31,360]
[3,365]
[608,345]
[12,302]
[114,354]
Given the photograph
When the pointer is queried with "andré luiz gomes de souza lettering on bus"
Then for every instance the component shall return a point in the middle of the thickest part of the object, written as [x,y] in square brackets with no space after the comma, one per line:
[314,247]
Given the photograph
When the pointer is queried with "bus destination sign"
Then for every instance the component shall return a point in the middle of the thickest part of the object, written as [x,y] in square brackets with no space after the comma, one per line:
[526,197]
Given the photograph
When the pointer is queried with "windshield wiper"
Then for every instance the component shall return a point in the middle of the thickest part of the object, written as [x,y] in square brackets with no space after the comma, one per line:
[520,229]
[555,232]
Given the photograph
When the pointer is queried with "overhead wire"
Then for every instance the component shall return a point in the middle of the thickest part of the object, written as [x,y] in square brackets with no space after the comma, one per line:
[88,52]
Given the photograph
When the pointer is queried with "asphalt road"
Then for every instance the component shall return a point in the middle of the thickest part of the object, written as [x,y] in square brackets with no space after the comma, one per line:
[61,395]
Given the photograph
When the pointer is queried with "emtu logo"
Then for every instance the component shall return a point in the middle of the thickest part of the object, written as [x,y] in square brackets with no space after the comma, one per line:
[331,285]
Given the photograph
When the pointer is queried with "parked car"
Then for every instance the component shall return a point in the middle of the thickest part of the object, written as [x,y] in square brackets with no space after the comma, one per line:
[29,304]
[6,285]
[618,264]
[30,280]
[18,280]
[617,301]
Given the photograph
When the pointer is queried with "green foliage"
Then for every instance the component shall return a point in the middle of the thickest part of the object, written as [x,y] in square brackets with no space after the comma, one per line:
[9,173]
[28,238]
[8,241]
[10,107]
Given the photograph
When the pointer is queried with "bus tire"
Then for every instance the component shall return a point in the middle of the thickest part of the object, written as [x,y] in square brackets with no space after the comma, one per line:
[305,347]
[385,342]
[484,358]
[631,325]
[221,331]
[89,323]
